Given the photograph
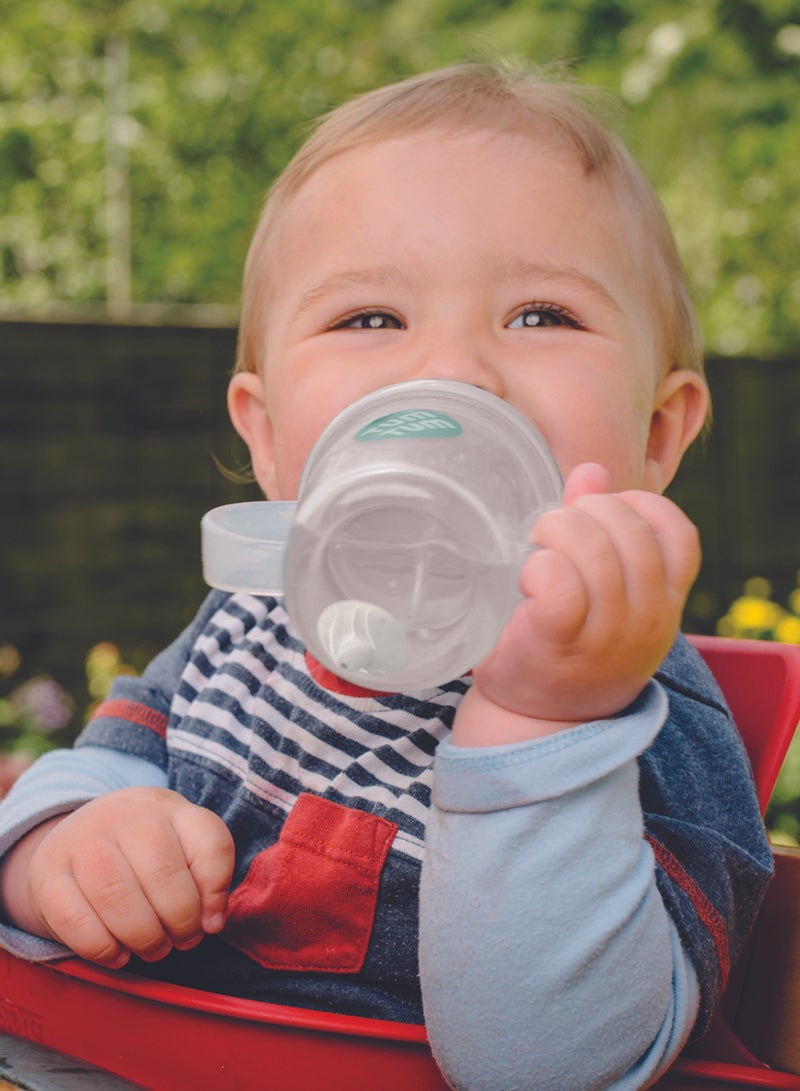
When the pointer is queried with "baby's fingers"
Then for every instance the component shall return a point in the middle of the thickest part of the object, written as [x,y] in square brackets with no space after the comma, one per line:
[139,870]
[584,479]
[185,867]
[209,852]
[677,537]
[70,918]
[142,891]
[556,597]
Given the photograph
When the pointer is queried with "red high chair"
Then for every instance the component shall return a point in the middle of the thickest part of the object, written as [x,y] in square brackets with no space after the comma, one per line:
[170,1038]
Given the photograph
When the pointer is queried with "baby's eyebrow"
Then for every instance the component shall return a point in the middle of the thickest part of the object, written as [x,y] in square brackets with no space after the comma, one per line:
[511,271]
[518,269]
[382,276]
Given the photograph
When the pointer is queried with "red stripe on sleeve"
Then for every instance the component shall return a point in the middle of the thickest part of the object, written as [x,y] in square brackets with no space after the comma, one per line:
[134,713]
[707,913]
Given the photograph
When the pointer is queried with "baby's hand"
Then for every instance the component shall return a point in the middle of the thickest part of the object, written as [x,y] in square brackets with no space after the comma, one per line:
[137,871]
[604,594]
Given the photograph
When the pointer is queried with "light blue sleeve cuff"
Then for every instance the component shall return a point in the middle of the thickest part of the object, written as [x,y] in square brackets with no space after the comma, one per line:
[489,778]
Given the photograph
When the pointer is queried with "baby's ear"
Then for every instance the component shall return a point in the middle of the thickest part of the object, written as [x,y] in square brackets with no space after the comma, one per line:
[679,412]
[248,412]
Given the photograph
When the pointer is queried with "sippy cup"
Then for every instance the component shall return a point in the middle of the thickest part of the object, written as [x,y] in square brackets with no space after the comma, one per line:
[400,559]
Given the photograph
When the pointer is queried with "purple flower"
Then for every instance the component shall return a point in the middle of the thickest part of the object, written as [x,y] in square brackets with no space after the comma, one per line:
[45,701]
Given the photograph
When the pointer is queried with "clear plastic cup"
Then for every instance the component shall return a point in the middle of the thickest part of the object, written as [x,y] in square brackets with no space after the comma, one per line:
[412,523]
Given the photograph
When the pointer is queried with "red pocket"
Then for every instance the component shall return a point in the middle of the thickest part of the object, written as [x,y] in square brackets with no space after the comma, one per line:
[308,902]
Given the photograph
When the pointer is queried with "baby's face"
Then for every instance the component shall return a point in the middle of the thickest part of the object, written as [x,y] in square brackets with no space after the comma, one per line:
[485,258]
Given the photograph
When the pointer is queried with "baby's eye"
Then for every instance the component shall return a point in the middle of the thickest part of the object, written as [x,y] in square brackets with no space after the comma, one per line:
[537,316]
[370,320]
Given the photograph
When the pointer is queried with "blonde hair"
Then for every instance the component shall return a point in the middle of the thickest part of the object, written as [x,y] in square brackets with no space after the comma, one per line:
[479,96]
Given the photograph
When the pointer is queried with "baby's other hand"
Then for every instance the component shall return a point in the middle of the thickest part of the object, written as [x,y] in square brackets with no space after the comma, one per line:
[136,871]
[603,598]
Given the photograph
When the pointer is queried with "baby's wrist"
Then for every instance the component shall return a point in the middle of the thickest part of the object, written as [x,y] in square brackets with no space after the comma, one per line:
[481,722]
[16,901]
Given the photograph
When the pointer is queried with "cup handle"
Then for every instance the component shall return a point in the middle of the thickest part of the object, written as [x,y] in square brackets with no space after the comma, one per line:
[244,545]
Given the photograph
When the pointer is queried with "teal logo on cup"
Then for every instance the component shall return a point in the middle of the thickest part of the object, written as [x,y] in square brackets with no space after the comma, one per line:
[410,424]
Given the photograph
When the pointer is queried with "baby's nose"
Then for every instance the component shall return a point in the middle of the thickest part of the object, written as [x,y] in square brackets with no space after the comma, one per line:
[465,363]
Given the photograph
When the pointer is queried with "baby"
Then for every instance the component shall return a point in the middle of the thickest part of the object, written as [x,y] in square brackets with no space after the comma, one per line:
[552,862]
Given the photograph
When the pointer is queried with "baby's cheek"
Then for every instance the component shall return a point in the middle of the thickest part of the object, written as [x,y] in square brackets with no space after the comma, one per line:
[292,448]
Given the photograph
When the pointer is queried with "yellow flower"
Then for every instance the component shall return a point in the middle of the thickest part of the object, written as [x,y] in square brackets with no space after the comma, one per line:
[9,660]
[788,630]
[750,615]
[757,587]
[794,600]
[103,664]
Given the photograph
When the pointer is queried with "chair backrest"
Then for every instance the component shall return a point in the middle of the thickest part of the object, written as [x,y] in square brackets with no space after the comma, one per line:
[761,683]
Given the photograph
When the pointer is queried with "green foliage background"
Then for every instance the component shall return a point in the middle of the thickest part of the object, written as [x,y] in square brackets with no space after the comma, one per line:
[219,93]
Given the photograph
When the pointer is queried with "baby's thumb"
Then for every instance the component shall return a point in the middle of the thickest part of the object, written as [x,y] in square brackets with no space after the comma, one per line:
[588,477]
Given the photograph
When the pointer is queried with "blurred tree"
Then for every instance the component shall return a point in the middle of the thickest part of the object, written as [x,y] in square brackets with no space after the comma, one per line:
[218,94]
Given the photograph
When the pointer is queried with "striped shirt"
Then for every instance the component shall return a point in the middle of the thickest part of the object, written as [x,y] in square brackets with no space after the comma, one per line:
[327,790]
[248,706]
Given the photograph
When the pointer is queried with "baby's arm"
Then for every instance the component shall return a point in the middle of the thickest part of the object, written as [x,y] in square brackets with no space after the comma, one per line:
[547,957]
[138,870]
[603,598]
